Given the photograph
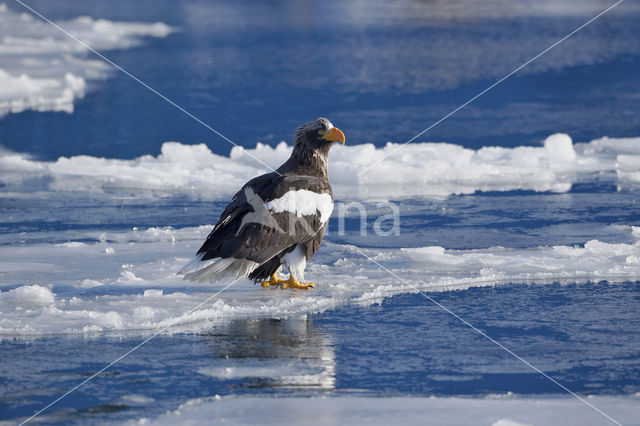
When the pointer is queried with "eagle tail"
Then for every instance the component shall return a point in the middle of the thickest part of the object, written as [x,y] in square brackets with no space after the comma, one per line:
[218,269]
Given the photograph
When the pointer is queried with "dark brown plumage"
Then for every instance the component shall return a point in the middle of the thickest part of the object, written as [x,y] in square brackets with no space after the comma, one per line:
[297,200]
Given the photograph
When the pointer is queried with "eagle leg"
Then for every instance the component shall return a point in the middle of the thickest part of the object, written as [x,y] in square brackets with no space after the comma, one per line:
[275,281]
[293,283]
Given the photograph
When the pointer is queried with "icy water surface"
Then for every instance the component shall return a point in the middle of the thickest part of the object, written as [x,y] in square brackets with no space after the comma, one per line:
[575,333]
[519,214]
[380,71]
[568,304]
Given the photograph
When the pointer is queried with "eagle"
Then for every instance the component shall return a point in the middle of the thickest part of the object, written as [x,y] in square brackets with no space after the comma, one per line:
[276,219]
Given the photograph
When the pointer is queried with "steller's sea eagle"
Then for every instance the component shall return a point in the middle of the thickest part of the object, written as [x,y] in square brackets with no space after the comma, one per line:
[276,219]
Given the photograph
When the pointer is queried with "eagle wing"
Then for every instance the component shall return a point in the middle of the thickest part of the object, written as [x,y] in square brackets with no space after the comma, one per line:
[269,214]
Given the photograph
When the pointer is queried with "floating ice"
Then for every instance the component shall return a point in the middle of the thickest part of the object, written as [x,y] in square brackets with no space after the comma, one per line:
[29,296]
[45,70]
[505,411]
[559,150]
[136,287]
[415,170]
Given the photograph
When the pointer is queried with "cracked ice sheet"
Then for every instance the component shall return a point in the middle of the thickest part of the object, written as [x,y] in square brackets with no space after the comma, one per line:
[126,281]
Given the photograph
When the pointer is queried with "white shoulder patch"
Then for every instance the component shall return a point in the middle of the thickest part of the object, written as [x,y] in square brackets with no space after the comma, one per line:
[303,202]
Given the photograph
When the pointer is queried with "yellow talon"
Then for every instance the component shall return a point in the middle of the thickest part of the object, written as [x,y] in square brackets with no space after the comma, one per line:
[292,283]
[275,281]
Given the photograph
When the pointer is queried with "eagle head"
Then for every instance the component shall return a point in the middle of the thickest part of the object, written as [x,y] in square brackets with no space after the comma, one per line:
[317,135]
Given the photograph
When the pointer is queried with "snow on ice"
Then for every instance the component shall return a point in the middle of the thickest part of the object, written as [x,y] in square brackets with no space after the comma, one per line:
[496,410]
[134,287]
[43,69]
[416,170]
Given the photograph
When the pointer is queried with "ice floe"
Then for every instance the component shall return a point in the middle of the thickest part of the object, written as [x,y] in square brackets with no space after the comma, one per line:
[499,410]
[413,170]
[43,69]
[82,288]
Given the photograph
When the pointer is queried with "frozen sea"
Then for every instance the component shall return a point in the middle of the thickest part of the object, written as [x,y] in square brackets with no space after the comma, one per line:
[509,280]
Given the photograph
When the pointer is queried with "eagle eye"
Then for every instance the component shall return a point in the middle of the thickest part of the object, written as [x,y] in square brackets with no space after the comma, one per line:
[321,132]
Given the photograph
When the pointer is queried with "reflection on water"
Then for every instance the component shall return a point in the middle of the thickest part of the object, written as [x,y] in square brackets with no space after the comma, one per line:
[271,353]
[262,356]
[405,346]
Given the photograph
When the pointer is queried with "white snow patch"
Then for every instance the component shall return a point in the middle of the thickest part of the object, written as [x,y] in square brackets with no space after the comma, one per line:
[110,320]
[72,244]
[399,411]
[136,399]
[136,287]
[144,313]
[559,150]
[43,69]
[507,422]
[415,170]
[28,296]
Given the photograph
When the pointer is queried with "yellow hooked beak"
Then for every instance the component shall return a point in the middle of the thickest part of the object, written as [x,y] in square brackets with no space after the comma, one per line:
[334,135]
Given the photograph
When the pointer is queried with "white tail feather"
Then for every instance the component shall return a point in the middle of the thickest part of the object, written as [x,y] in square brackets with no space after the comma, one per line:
[218,269]
[194,265]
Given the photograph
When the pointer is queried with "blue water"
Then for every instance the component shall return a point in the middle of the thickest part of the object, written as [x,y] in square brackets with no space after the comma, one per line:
[255,72]
[581,335]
